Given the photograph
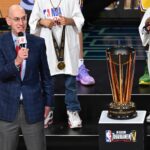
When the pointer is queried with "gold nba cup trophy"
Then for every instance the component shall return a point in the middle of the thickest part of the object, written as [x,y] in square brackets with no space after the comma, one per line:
[121,66]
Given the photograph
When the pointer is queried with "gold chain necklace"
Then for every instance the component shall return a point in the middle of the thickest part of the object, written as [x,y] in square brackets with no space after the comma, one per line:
[56,6]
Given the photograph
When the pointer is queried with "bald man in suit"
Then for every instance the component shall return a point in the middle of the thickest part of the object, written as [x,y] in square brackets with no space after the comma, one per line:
[24,99]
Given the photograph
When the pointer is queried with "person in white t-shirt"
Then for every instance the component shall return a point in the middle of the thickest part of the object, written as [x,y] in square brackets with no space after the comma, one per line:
[59,23]
[83,75]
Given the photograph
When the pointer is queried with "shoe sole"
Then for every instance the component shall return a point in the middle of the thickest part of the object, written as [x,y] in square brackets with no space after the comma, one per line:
[148,121]
[84,83]
[144,83]
[74,127]
[50,122]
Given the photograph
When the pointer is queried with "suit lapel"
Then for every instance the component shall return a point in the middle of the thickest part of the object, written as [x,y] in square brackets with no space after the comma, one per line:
[9,47]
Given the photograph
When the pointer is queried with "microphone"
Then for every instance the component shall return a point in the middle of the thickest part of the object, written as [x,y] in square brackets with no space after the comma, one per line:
[22,41]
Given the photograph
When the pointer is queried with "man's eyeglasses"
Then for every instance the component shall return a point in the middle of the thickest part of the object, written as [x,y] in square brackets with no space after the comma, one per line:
[17,19]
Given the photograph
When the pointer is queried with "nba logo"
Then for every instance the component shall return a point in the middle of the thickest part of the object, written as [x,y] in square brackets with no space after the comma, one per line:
[108,136]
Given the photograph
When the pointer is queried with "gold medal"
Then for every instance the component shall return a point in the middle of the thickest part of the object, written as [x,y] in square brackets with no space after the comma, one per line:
[61,65]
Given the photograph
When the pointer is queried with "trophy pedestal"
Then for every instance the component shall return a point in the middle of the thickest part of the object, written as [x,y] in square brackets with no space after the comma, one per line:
[122,134]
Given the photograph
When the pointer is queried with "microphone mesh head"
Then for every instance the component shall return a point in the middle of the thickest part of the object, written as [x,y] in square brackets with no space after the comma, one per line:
[20,34]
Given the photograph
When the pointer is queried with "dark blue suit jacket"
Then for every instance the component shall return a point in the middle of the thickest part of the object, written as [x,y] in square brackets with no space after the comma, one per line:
[36,87]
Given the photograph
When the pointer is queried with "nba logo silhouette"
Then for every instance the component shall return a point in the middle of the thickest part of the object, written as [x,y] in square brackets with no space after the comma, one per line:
[108,136]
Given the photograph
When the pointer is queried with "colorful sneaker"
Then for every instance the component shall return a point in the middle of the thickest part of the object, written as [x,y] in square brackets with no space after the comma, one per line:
[48,119]
[83,76]
[74,120]
[145,79]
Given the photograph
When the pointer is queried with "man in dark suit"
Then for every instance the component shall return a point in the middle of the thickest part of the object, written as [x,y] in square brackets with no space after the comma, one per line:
[24,100]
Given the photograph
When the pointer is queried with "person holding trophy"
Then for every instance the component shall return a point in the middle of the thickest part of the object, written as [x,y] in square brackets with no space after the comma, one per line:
[59,23]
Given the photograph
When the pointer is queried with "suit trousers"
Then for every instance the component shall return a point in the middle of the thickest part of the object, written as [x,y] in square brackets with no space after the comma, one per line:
[33,133]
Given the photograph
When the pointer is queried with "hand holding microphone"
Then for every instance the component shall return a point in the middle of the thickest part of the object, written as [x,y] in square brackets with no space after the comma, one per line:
[22,53]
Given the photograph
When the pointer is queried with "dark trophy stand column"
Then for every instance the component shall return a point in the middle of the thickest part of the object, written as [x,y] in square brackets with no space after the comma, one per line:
[121,127]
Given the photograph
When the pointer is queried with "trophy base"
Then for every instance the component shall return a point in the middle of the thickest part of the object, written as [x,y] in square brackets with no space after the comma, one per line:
[122,111]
